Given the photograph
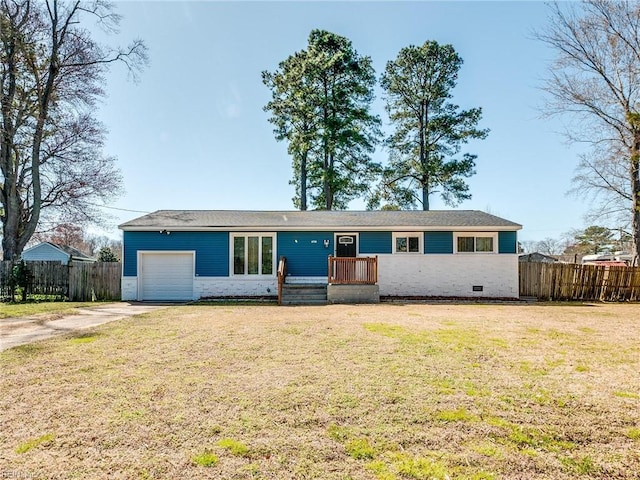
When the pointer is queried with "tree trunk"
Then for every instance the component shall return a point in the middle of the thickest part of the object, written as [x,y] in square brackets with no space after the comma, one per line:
[634,171]
[423,123]
[325,141]
[9,237]
[303,180]
[329,184]
[425,196]
[10,216]
[325,178]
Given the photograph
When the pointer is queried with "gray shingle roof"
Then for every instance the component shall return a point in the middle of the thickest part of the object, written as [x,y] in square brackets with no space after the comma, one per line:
[287,220]
[74,253]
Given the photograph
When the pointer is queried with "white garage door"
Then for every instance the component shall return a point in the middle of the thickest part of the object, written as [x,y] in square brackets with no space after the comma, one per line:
[166,276]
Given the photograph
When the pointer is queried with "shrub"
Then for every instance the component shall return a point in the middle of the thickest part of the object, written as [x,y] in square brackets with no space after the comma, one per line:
[20,277]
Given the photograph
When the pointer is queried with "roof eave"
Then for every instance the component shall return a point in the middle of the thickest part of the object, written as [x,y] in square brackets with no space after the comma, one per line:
[271,228]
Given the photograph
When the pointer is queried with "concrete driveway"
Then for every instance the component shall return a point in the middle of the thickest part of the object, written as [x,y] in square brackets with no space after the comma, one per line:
[20,331]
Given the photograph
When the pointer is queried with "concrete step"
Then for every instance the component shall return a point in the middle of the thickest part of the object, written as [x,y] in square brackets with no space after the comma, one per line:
[300,298]
[304,302]
[304,294]
[304,286]
[309,294]
[304,290]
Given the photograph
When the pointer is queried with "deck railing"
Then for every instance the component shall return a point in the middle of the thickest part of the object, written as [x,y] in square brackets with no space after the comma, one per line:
[282,274]
[353,270]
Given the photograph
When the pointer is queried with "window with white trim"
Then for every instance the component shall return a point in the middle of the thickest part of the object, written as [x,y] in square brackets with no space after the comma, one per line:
[407,242]
[476,242]
[253,254]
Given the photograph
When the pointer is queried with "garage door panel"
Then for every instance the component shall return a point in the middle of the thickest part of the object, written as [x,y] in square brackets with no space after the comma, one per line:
[166,276]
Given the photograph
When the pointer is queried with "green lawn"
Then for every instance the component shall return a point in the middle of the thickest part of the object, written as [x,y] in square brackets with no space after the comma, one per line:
[8,310]
[337,392]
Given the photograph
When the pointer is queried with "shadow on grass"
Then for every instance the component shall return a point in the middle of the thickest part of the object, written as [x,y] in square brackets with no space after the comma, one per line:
[232,301]
[26,350]
[490,302]
[84,337]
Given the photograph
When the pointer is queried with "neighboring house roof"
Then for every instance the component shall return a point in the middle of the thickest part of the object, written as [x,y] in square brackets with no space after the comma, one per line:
[289,220]
[537,257]
[68,252]
[74,253]
[608,263]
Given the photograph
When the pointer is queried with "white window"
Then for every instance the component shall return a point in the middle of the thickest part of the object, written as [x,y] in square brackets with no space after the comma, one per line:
[476,242]
[407,242]
[253,253]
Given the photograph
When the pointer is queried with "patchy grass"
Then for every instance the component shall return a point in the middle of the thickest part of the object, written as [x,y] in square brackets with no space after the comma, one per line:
[635,396]
[24,447]
[360,448]
[458,415]
[83,338]
[386,392]
[633,433]
[10,310]
[235,447]
[399,465]
[579,466]
[205,459]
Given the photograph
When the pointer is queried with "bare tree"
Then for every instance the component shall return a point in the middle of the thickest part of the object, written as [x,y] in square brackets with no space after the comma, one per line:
[529,246]
[550,246]
[52,75]
[595,79]
[63,234]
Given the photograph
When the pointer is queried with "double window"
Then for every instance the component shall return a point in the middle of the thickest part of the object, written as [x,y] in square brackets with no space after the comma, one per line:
[407,242]
[253,254]
[475,243]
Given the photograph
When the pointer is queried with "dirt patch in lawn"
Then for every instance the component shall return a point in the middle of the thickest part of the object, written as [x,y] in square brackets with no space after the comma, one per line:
[337,392]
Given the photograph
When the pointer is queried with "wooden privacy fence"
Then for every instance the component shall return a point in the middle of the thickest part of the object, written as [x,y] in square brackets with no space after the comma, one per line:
[95,281]
[353,270]
[568,281]
[75,282]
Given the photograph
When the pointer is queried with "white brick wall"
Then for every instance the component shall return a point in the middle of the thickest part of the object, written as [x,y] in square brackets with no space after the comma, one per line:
[224,286]
[214,287]
[129,288]
[449,275]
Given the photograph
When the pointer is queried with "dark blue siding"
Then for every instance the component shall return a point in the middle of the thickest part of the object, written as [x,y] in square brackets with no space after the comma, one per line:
[212,250]
[375,242]
[507,242]
[438,242]
[305,252]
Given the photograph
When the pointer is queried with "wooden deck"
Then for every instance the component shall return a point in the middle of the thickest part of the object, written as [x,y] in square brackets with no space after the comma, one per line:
[353,270]
[341,271]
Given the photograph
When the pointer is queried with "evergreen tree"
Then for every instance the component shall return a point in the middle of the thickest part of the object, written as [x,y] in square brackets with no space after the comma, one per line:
[429,130]
[321,99]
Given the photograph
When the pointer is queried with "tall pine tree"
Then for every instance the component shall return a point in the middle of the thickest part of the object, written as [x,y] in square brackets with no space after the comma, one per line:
[321,99]
[429,130]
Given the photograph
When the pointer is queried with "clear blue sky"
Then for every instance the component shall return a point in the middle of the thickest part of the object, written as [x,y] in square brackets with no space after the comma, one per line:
[192,133]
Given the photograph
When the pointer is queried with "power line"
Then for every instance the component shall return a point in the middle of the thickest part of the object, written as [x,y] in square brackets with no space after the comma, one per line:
[116,208]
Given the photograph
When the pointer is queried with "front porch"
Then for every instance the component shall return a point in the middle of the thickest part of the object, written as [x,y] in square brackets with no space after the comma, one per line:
[349,280]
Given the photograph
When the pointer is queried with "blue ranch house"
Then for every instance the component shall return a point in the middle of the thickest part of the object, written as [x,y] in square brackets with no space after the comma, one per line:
[193,254]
